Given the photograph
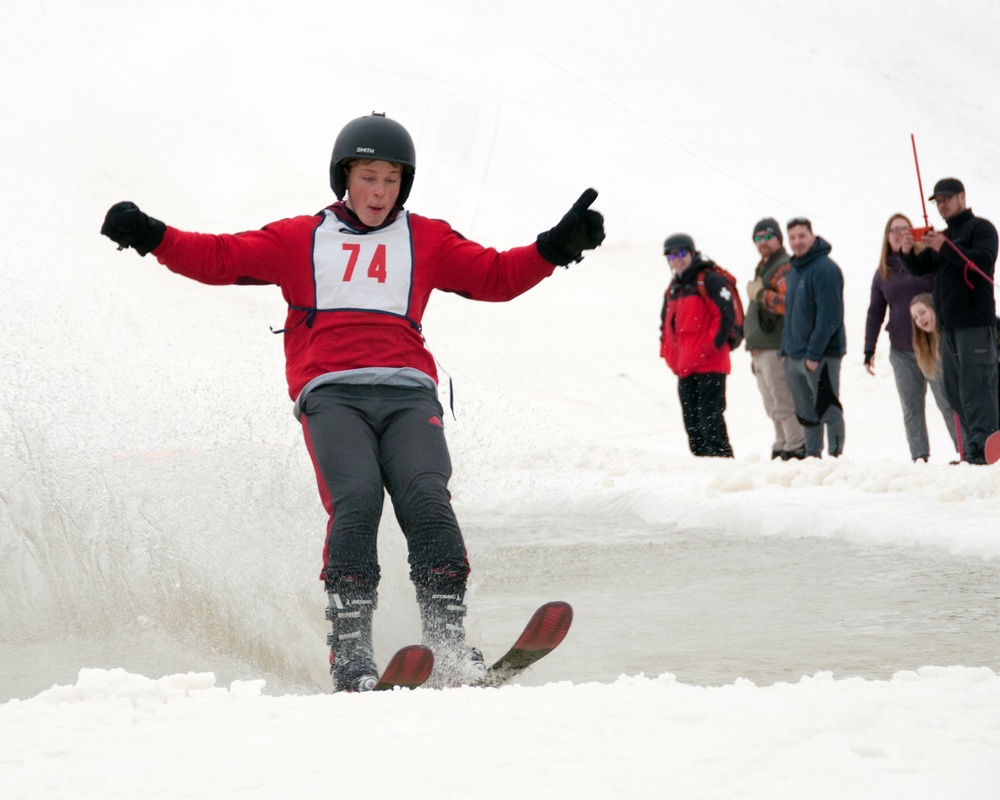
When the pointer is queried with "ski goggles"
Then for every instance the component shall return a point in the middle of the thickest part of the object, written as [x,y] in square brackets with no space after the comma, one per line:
[673,255]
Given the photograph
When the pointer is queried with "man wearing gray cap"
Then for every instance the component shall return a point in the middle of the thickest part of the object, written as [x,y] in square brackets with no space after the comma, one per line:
[965,308]
[762,327]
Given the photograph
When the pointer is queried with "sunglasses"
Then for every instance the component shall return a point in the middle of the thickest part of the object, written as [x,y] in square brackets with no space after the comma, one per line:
[941,198]
[763,237]
[673,255]
[899,229]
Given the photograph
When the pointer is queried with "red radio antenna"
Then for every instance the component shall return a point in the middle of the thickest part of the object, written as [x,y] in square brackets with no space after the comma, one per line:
[920,184]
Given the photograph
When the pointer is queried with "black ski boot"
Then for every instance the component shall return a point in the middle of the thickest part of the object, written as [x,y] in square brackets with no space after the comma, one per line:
[442,617]
[350,609]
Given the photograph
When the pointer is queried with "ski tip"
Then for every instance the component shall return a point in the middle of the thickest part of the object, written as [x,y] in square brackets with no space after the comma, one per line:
[410,667]
[547,628]
[991,449]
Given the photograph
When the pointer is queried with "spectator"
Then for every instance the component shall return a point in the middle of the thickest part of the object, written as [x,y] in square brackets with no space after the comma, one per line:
[893,289]
[814,341]
[926,336]
[962,260]
[765,320]
[697,319]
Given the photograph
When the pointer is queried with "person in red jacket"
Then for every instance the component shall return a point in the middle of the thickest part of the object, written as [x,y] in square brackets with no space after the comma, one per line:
[357,277]
[697,319]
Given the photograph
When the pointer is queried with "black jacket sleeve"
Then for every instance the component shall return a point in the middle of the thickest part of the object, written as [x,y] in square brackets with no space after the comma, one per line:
[918,263]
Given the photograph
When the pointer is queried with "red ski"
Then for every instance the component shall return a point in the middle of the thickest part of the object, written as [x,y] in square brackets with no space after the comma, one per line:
[547,627]
[407,669]
[992,448]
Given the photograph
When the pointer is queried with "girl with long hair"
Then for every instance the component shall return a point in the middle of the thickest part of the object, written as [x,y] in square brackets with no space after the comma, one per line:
[926,335]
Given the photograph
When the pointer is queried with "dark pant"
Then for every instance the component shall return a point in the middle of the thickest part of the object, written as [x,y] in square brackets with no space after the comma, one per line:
[969,363]
[364,438]
[703,401]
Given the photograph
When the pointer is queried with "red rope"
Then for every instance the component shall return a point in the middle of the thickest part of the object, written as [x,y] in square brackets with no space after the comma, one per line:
[969,264]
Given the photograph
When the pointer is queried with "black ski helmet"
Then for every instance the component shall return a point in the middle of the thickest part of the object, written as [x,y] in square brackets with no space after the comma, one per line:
[678,241]
[376,137]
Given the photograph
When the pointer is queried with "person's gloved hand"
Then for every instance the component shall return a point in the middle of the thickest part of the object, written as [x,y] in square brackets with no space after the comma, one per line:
[127,226]
[870,361]
[754,288]
[580,229]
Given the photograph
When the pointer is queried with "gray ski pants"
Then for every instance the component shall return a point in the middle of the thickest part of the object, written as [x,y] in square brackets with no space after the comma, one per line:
[912,387]
[969,362]
[365,440]
[816,396]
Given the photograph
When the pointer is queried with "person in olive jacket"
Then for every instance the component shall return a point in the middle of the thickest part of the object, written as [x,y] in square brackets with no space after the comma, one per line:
[765,320]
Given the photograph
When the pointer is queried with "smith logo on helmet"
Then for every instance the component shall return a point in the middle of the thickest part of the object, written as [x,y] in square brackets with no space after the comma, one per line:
[364,150]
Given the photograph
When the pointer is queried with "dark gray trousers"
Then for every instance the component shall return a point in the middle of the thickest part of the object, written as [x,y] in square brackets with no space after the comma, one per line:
[365,440]
[969,362]
[816,396]
[703,404]
[912,385]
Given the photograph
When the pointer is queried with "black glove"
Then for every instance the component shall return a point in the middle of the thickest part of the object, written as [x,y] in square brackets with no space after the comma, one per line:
[869,357]
[127,226]
[581,229]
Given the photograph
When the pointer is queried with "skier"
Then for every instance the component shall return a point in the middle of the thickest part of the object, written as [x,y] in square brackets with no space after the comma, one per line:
[357,277]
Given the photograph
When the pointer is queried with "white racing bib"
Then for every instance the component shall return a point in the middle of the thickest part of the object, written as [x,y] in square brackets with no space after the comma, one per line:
[363,272]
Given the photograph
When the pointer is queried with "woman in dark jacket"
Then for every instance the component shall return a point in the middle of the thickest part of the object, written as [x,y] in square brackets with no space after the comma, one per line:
[893,289]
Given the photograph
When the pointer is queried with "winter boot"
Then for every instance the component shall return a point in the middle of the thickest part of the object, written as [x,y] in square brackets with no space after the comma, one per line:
[442,617]
[351,607]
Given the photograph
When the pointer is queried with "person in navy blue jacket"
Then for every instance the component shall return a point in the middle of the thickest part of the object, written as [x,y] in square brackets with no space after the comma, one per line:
[813,340]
